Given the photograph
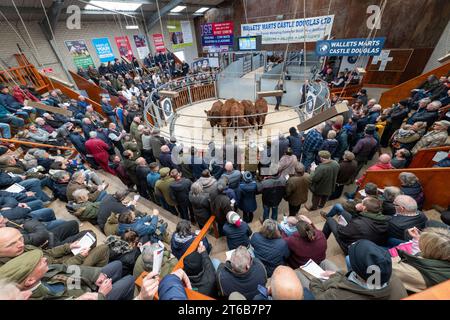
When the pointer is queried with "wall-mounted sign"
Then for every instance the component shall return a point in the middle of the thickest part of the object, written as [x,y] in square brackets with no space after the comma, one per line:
[103,48]
[217,33]
[180,34]
[80,53]
[290,31]
[350,47]
[141,45]
[123,44]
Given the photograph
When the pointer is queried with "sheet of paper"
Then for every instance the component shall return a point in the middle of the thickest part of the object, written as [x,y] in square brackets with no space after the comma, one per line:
[441,155]
[228,254]
[362,192]
[342,221]
[136,197]
[15,188]
[86,242]
[313,269]
[157,259]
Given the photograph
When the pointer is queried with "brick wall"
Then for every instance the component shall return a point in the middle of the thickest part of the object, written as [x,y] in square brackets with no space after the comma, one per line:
[109,27]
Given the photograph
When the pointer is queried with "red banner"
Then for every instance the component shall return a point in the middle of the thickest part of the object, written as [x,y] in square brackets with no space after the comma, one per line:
[222,28]
[159,42]
[123,44]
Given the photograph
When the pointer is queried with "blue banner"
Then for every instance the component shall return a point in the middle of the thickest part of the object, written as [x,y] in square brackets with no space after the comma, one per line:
[350,47]
[103,48]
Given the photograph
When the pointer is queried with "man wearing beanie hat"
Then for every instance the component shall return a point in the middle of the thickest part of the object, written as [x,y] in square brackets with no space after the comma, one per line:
[31,271]
[200,270]
[370,277]
[434,138]
[248,189]
[323,180]
[365,148]
[156,142]
[162,190]
[236,231]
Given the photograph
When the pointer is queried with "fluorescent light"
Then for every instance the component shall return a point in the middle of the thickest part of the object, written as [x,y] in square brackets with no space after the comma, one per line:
[113,5]
[201,10]
[132,27]
[178,9]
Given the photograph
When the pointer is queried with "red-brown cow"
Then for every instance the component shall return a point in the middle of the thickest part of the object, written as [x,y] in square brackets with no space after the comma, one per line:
[261,110]
[213,115]
[249,111]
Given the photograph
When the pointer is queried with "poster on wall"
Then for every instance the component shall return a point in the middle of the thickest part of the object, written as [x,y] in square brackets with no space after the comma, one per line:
[123,44]
[217,33]
[141,45]
[80,53]
[200,64]
[103,48]
[180,34]
[158,41]
[290,31]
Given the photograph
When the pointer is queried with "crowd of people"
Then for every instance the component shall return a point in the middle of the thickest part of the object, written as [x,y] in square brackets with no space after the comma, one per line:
[38,251]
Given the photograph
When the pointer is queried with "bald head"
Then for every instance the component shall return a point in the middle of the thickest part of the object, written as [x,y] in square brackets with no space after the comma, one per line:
[385,158]
[229,166]
[11,242]
[285,284]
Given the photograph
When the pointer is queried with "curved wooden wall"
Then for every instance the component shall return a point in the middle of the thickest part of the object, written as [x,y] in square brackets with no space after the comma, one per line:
[423,158]
[435,183]
[403,91]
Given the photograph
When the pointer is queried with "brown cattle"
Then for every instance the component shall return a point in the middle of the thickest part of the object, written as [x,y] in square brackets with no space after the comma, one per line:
[225,113]
[261,110]
[213,115]
[249,111]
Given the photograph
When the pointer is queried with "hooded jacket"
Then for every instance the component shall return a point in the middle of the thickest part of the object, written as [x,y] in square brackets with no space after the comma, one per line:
[297,189]
[201,207]
[237,236]
[180,191]
[273,190]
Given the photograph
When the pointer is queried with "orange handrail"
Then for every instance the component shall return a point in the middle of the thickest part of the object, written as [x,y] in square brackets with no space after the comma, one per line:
[191,294]
[440,291]
[41,145]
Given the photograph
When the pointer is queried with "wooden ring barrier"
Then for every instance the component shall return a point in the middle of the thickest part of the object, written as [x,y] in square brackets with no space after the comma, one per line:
[348,91]
[424,158]
[41,145]
[434,182]
[191,294]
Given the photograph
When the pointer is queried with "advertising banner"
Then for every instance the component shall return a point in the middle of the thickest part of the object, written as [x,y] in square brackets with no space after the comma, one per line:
[123,44]
[290,31]
[141,45]
[350,47]
[159,42]
[180,34]
[103,48]
[80,53]
[217,34]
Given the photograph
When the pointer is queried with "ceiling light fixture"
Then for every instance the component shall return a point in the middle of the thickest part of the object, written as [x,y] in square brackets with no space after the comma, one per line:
[113,5]
[201,10]
[132,27]
[178,9]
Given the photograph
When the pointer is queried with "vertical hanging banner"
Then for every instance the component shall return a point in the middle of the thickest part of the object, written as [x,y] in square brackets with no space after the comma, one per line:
[123,44]
[80,53]
[180,34]
[290,31]
[159,42]
[103,48]
[141,45]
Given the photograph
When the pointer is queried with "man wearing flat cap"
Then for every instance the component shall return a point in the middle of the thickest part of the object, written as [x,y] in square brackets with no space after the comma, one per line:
[437,137]
[30,271]
[323,180]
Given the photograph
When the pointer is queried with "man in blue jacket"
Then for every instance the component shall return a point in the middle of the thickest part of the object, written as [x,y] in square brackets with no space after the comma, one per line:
[108,110]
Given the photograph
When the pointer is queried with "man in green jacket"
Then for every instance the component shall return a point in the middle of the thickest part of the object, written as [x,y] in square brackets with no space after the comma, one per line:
[323,180]
[162,190]
[30,271]
[12,245]
[369,278]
